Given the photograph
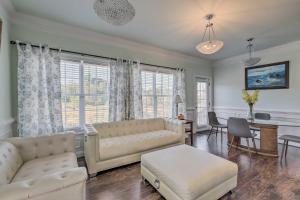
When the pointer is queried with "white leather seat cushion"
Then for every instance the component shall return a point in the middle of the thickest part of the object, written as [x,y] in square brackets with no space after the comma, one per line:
[45,166]
[130,144]
[189,172]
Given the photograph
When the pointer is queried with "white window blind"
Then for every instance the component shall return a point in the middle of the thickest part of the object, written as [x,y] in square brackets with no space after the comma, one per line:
[96,85]
[157,94]
[70,88]
[85,92]
[148,80]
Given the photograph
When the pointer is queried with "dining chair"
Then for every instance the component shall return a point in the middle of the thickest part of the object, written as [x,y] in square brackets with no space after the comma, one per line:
[261,116]
[286,139]
[239,127]
[215,125]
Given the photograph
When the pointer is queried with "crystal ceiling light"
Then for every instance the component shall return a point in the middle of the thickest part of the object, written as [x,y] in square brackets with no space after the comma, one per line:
[251,61]
[211,45]
[115,12]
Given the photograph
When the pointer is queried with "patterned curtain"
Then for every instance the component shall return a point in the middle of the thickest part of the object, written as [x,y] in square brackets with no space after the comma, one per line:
[179,89]
[39,92]
[125,98]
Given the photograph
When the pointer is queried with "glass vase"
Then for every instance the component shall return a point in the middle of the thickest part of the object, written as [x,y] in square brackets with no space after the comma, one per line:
[250,114]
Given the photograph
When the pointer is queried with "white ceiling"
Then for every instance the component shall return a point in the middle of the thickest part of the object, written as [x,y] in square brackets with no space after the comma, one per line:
[178,24]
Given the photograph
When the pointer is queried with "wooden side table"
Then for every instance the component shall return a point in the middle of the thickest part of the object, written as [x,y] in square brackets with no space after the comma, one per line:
[190,129]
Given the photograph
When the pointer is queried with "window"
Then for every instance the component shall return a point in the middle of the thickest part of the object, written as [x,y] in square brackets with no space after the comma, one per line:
[157,94]
[85,92]
[70,89]
[202,101]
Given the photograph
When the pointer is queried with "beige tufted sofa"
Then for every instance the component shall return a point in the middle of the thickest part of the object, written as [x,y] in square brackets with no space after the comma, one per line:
[109,145]
[42,168]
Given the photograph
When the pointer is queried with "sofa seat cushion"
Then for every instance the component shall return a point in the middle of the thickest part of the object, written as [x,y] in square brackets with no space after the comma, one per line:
[45,166]
[189,172]
[10,162]
[125,145]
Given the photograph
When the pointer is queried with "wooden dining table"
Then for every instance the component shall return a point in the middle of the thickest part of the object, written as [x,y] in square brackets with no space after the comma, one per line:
[268,136]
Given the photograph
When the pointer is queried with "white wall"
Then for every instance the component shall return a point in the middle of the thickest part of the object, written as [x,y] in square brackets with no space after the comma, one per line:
[5,98]
[229,81]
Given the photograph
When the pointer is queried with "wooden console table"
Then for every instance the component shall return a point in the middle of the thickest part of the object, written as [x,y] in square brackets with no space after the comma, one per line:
[189,130]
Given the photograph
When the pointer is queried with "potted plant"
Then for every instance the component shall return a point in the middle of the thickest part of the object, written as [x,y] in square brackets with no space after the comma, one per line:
[250,100]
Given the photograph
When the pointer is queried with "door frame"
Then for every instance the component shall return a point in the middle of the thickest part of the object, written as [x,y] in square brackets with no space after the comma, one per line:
[210,92]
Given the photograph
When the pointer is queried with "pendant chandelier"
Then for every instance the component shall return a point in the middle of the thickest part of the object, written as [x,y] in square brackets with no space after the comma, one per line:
[115,12]
[209,44]
[251,61]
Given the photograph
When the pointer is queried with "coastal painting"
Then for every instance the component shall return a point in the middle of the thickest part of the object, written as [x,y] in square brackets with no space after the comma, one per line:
[270,76]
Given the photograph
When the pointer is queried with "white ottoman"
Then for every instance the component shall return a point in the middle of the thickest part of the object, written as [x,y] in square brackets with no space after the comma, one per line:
[187,173]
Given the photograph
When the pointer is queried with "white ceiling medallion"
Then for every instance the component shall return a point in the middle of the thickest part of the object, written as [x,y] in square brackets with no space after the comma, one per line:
[210,45]
[251,61]
[115,12]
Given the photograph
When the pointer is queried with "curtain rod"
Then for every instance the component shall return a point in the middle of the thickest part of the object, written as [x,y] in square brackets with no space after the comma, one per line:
[91,55]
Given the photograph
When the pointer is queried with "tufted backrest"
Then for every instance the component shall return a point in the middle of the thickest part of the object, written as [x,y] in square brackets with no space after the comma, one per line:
[10,162]
[43,146]
[113,129]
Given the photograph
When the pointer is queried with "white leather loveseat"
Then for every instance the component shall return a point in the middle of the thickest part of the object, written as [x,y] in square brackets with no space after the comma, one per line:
[42,168]
[109,145]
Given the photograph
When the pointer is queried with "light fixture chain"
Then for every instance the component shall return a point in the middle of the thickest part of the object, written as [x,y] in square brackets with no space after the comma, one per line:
[209,30]
[250,48]
[252,61]
[213,31]
[204,34]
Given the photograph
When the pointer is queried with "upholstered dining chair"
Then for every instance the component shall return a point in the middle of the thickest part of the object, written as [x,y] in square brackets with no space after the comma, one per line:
[261,116]
[239,127]
[215,125]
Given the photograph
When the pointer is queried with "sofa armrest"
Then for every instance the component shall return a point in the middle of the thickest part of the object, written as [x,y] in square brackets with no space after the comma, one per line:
[27,189]
[91,148]
[43,146]
[90,130]
[176,126]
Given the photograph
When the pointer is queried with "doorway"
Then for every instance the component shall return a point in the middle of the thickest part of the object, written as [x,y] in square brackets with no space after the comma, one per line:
[202,93]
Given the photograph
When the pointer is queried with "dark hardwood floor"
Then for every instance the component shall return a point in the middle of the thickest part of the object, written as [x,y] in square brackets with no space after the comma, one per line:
[259,177]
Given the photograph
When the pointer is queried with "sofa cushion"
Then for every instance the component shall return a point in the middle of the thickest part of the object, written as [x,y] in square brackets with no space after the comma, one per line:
[45,166]
[125,145]
[123,128]
[10,162]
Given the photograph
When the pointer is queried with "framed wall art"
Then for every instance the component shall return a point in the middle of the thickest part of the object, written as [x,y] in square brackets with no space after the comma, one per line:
[269,76]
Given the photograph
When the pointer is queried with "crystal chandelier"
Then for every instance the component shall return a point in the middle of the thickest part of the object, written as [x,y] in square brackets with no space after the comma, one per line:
[115,12]
[211,45]
[251,61]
